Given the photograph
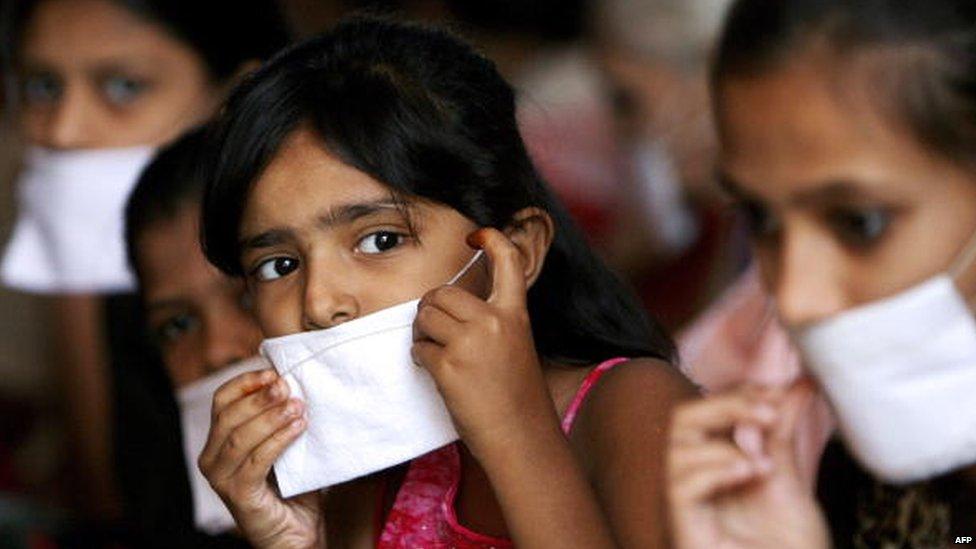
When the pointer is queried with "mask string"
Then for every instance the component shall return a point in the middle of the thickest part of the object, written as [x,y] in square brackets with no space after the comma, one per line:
[963,261]
[467,267]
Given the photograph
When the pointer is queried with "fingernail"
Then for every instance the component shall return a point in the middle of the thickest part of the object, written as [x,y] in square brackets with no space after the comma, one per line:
[297,424]
[275,391]
[476,239]
[291,409]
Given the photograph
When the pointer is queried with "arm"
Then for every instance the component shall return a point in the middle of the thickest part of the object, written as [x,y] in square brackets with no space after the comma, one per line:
[482,356]
[621,437]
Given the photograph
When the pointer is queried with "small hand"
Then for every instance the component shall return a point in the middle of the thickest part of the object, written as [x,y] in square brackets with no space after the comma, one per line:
[481,353]
[252,423]
[721,496]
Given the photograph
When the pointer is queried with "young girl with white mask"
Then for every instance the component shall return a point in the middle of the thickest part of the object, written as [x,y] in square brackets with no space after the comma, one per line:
[847,138]
[200,322]
[99,84]
[350,173]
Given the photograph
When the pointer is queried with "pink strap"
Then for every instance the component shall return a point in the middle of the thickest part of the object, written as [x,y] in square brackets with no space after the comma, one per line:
[585,388]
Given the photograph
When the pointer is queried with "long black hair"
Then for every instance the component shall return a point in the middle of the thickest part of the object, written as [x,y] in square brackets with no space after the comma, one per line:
[419,110]
[925,74]
[172,182]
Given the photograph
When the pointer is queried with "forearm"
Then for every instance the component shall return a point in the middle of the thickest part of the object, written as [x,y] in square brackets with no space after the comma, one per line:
[544,494]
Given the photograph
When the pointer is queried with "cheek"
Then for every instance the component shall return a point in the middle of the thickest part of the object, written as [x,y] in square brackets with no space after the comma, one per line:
[184,363]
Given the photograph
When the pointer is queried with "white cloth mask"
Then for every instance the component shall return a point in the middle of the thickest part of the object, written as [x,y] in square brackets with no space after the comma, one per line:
[195,401]
[68,237]
[901,376]
[368,406]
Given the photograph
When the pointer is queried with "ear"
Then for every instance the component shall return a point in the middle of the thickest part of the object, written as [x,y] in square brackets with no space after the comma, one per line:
[532,231]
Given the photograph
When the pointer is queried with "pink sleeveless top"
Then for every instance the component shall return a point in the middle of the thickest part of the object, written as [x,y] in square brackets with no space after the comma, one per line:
[423,513]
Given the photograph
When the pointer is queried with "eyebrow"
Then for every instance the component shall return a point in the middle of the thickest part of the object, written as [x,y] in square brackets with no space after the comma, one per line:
[337,215]
[830,192]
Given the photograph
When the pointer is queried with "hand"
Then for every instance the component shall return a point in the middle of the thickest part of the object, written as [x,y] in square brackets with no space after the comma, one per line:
[252,423]
[481,353]
[720,496]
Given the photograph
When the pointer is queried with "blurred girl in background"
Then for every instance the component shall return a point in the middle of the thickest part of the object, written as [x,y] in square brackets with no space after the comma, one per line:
[99,84]
[847,132]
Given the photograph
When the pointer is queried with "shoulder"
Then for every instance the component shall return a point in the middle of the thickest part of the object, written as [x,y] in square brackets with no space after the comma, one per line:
[631,404]
[638,385]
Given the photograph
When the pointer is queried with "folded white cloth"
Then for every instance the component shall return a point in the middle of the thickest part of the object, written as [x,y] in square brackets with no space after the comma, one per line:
[369,407]
[195,402]
[68,236]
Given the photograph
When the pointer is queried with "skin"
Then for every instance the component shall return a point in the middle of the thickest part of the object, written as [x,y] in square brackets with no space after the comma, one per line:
[133,85]
[94,76]
[312,264]
[198,315]
[847,207]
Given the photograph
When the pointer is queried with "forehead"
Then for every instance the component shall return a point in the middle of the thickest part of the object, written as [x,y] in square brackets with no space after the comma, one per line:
[804,125]
[170,257]
[304,180]
[72,32]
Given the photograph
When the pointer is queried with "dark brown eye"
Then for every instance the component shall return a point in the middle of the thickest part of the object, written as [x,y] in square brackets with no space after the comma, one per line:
[274,268]
[176,327]
[860,228]
[379,242]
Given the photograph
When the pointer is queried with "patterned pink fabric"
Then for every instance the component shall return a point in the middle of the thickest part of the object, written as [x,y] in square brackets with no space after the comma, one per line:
[423,514]
[739,340]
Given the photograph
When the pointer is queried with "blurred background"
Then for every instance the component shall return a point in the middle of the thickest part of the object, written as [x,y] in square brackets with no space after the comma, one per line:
[615,111]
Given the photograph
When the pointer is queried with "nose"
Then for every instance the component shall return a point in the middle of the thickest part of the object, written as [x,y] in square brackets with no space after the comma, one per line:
[326,301]
[71,122]
[230,337]
[804,279]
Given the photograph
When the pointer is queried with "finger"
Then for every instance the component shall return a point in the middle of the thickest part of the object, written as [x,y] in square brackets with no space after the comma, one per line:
[257,466]
[683,461]
[708,482]
[241,386]
[508,278]
[717,414]
[782,443]
[242,441]
[427,355]
[240,412]
[434,324]
[457,302]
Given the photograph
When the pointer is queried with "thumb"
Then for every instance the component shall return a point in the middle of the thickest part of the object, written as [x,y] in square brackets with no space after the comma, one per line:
[508,278]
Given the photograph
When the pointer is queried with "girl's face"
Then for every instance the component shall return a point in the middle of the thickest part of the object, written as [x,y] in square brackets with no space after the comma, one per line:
[846,207]
[198,315]
[323,243]
[95,75]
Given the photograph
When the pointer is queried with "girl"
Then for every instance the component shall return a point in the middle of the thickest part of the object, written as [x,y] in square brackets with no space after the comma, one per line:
[350,171]
[95,78]
[200,324]
[847,134]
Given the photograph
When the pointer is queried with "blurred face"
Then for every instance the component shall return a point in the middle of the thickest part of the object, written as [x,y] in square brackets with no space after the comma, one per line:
[198,315]
[845,206]
[323,243]
[95,76]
